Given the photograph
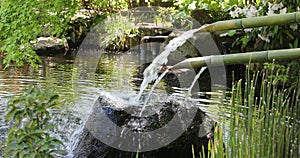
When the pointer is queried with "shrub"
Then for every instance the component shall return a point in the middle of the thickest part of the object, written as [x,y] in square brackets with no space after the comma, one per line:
[30,115]
[23,21]
[116,30]
[259,125]
[265,38]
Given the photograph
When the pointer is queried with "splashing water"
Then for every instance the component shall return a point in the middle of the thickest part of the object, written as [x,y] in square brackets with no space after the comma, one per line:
[151,72]
[152,89]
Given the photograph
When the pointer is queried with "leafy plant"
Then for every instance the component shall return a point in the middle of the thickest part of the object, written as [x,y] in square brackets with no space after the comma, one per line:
[30,115]
[109,6]
[294,74]
[171,17]
[216,9]
[116,30]
[259,125]
[265,38]
[23,21]
[280,72]
[165,16]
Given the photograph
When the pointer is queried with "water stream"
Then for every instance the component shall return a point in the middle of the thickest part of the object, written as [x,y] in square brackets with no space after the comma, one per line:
[152,89]
[151,72]
[195,80]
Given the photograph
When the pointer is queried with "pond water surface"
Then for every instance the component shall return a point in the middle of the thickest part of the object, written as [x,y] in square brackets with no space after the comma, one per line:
[118,74]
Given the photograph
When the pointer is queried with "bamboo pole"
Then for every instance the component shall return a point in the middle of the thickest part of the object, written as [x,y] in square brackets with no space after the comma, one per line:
[239,58]
[280,19]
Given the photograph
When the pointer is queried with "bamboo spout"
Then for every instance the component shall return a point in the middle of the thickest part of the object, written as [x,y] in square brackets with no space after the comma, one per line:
[280,19]
[240,58]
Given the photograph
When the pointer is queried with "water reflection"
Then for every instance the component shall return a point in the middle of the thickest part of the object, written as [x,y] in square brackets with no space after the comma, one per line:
[53,71]
[78,86]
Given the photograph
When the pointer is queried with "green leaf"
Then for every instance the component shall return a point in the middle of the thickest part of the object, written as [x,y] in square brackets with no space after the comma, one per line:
[45,147]
[37,132]
[288,33]
[11,145]
[20,146]
[275,31]
[16,154]
[56,142]
[21,138]
[32,134]
[231,33]
[10,114]
[296,43]
[32,155]
[50,126]
[60,152]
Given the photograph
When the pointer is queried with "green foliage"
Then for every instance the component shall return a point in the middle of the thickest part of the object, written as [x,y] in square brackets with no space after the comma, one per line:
[23,21]
[263,124]
[265,38]
[216,9]
[115,31]
[281,72]
[292,5]
[294,74]
[109,6]
[171,17]
[28,136]
[165,16]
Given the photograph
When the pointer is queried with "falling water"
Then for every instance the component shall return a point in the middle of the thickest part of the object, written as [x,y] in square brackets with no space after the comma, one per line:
[152,89]
[195,80]
[151,72]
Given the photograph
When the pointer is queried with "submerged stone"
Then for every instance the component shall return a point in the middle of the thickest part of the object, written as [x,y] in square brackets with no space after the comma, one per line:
[168,129]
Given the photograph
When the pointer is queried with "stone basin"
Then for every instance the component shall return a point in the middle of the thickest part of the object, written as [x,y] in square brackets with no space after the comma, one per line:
[167,129]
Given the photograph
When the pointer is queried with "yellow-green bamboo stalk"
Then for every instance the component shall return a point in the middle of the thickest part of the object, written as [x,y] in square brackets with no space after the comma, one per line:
[240,58]
[280,19]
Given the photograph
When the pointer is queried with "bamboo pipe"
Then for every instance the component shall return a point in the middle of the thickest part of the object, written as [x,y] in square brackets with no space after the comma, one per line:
[280,19]
[239,58]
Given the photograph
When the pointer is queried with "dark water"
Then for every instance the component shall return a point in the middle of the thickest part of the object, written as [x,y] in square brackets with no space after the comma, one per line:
[79,84]
[116,74]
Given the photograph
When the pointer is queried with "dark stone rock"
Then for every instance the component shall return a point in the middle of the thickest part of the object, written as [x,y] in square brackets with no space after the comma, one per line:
[151,29]
[50,46]
[197,129]
[202,16]
[81,24]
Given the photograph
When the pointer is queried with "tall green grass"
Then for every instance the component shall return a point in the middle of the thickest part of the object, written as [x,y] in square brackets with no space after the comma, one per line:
[263,122]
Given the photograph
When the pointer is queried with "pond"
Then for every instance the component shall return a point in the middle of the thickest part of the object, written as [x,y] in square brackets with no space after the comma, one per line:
[79,85]
[117,74]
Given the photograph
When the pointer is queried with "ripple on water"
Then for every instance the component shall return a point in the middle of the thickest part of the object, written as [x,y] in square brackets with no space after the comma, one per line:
[77,90]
